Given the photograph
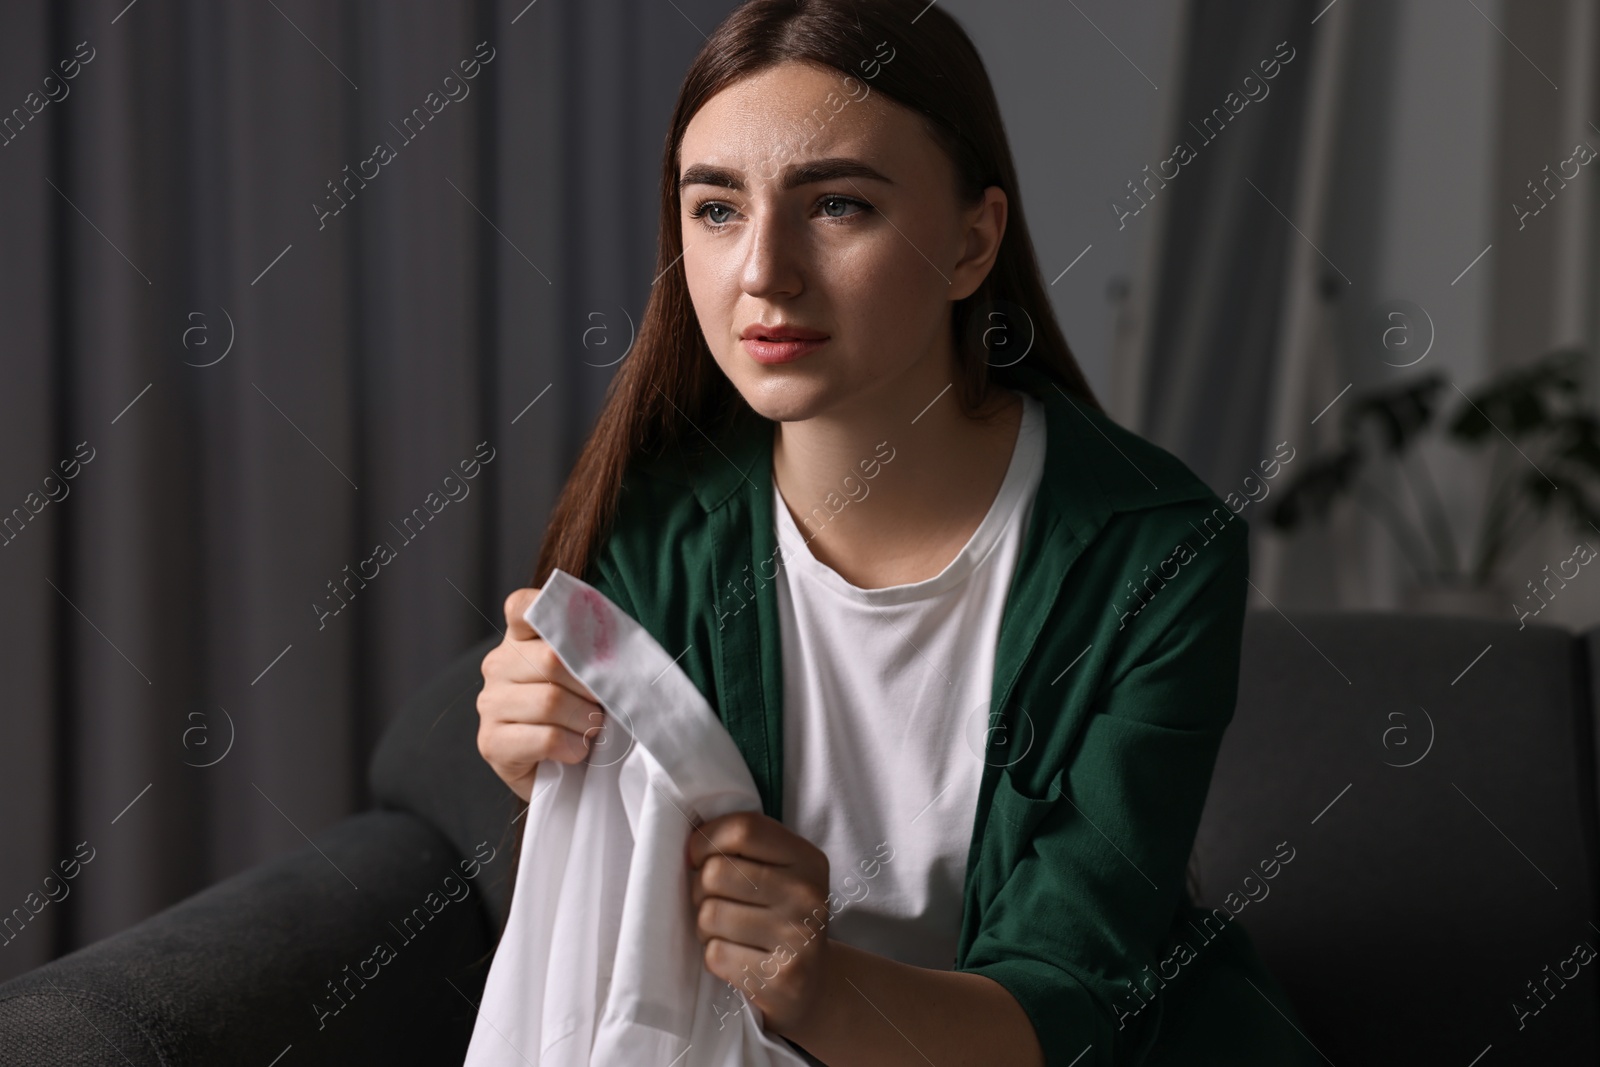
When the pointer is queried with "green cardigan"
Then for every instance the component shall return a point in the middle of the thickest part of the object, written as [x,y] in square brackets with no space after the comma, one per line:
[1115,676]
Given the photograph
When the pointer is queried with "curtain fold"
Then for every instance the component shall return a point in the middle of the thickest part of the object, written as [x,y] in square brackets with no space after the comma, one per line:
[1208,351]
[316,287]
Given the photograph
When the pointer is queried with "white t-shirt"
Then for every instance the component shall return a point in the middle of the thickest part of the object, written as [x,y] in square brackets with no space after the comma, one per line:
[885,711]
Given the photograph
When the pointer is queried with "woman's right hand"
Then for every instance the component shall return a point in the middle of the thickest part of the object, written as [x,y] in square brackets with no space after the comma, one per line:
[531,707]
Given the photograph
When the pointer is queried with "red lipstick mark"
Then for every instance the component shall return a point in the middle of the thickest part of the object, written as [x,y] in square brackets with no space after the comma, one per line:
[589,619]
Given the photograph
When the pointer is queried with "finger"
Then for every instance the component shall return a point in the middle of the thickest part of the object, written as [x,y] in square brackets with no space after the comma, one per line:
[734,922]
[516,748]
[536,703]
[735,879]
[736,963]
[750,834]
[534,661]
[517,628]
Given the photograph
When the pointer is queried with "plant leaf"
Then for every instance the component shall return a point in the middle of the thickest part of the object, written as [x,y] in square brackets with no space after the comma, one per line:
[1517,402]
[1401,414]
[1314,489]
[1577,440]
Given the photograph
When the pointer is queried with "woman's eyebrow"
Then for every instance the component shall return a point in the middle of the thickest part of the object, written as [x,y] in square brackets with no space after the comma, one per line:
[797,174]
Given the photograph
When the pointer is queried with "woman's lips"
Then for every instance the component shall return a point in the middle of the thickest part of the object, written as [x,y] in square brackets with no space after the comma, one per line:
[770,352]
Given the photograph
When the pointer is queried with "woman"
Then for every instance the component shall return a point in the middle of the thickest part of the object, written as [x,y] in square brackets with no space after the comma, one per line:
[976,642]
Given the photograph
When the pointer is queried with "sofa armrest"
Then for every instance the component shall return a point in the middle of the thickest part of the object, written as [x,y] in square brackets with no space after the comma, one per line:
[346,950]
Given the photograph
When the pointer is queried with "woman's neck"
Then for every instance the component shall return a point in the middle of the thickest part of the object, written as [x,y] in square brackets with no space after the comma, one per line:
[918,476]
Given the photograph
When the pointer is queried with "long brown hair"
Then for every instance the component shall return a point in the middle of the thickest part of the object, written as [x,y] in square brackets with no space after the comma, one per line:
[670,383]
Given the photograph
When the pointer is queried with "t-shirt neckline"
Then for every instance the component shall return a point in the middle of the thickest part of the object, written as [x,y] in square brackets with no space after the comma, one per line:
[1027,460]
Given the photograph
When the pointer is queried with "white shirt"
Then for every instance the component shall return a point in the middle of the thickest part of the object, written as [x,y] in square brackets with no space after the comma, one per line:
[886,712]
[599,965]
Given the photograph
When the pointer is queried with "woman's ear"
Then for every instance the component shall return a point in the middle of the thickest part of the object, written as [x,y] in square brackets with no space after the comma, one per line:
[983,228]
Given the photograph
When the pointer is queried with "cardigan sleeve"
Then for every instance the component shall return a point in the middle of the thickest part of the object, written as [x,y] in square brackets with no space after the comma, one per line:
[1093,894]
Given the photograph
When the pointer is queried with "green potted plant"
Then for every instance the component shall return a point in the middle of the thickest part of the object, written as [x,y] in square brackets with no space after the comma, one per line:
[1545,463]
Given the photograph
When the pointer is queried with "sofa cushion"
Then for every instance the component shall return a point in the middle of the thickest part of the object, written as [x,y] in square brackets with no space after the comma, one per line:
[283,955]
[427,763]
[1441,813]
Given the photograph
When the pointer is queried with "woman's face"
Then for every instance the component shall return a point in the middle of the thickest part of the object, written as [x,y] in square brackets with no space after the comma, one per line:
[853,231]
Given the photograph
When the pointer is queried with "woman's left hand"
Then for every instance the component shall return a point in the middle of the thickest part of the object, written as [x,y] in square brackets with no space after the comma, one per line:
[760,895]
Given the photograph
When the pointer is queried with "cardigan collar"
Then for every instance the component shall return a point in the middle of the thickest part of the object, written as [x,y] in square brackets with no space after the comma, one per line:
[1087,474]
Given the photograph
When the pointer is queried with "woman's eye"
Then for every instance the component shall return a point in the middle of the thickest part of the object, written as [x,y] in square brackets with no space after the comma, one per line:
[715,214]
[708,208]
[829,203]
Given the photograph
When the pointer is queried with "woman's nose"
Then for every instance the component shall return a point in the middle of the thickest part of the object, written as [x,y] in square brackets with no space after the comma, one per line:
[773,255]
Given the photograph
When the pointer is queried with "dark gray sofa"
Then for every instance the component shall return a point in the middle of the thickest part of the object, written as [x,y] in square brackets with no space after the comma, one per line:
[1439,805]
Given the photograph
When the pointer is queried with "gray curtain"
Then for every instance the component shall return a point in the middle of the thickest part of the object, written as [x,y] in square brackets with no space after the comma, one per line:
[218,396]
[1218,294]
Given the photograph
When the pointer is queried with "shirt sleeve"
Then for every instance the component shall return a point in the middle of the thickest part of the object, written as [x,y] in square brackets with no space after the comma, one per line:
[1093,894]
